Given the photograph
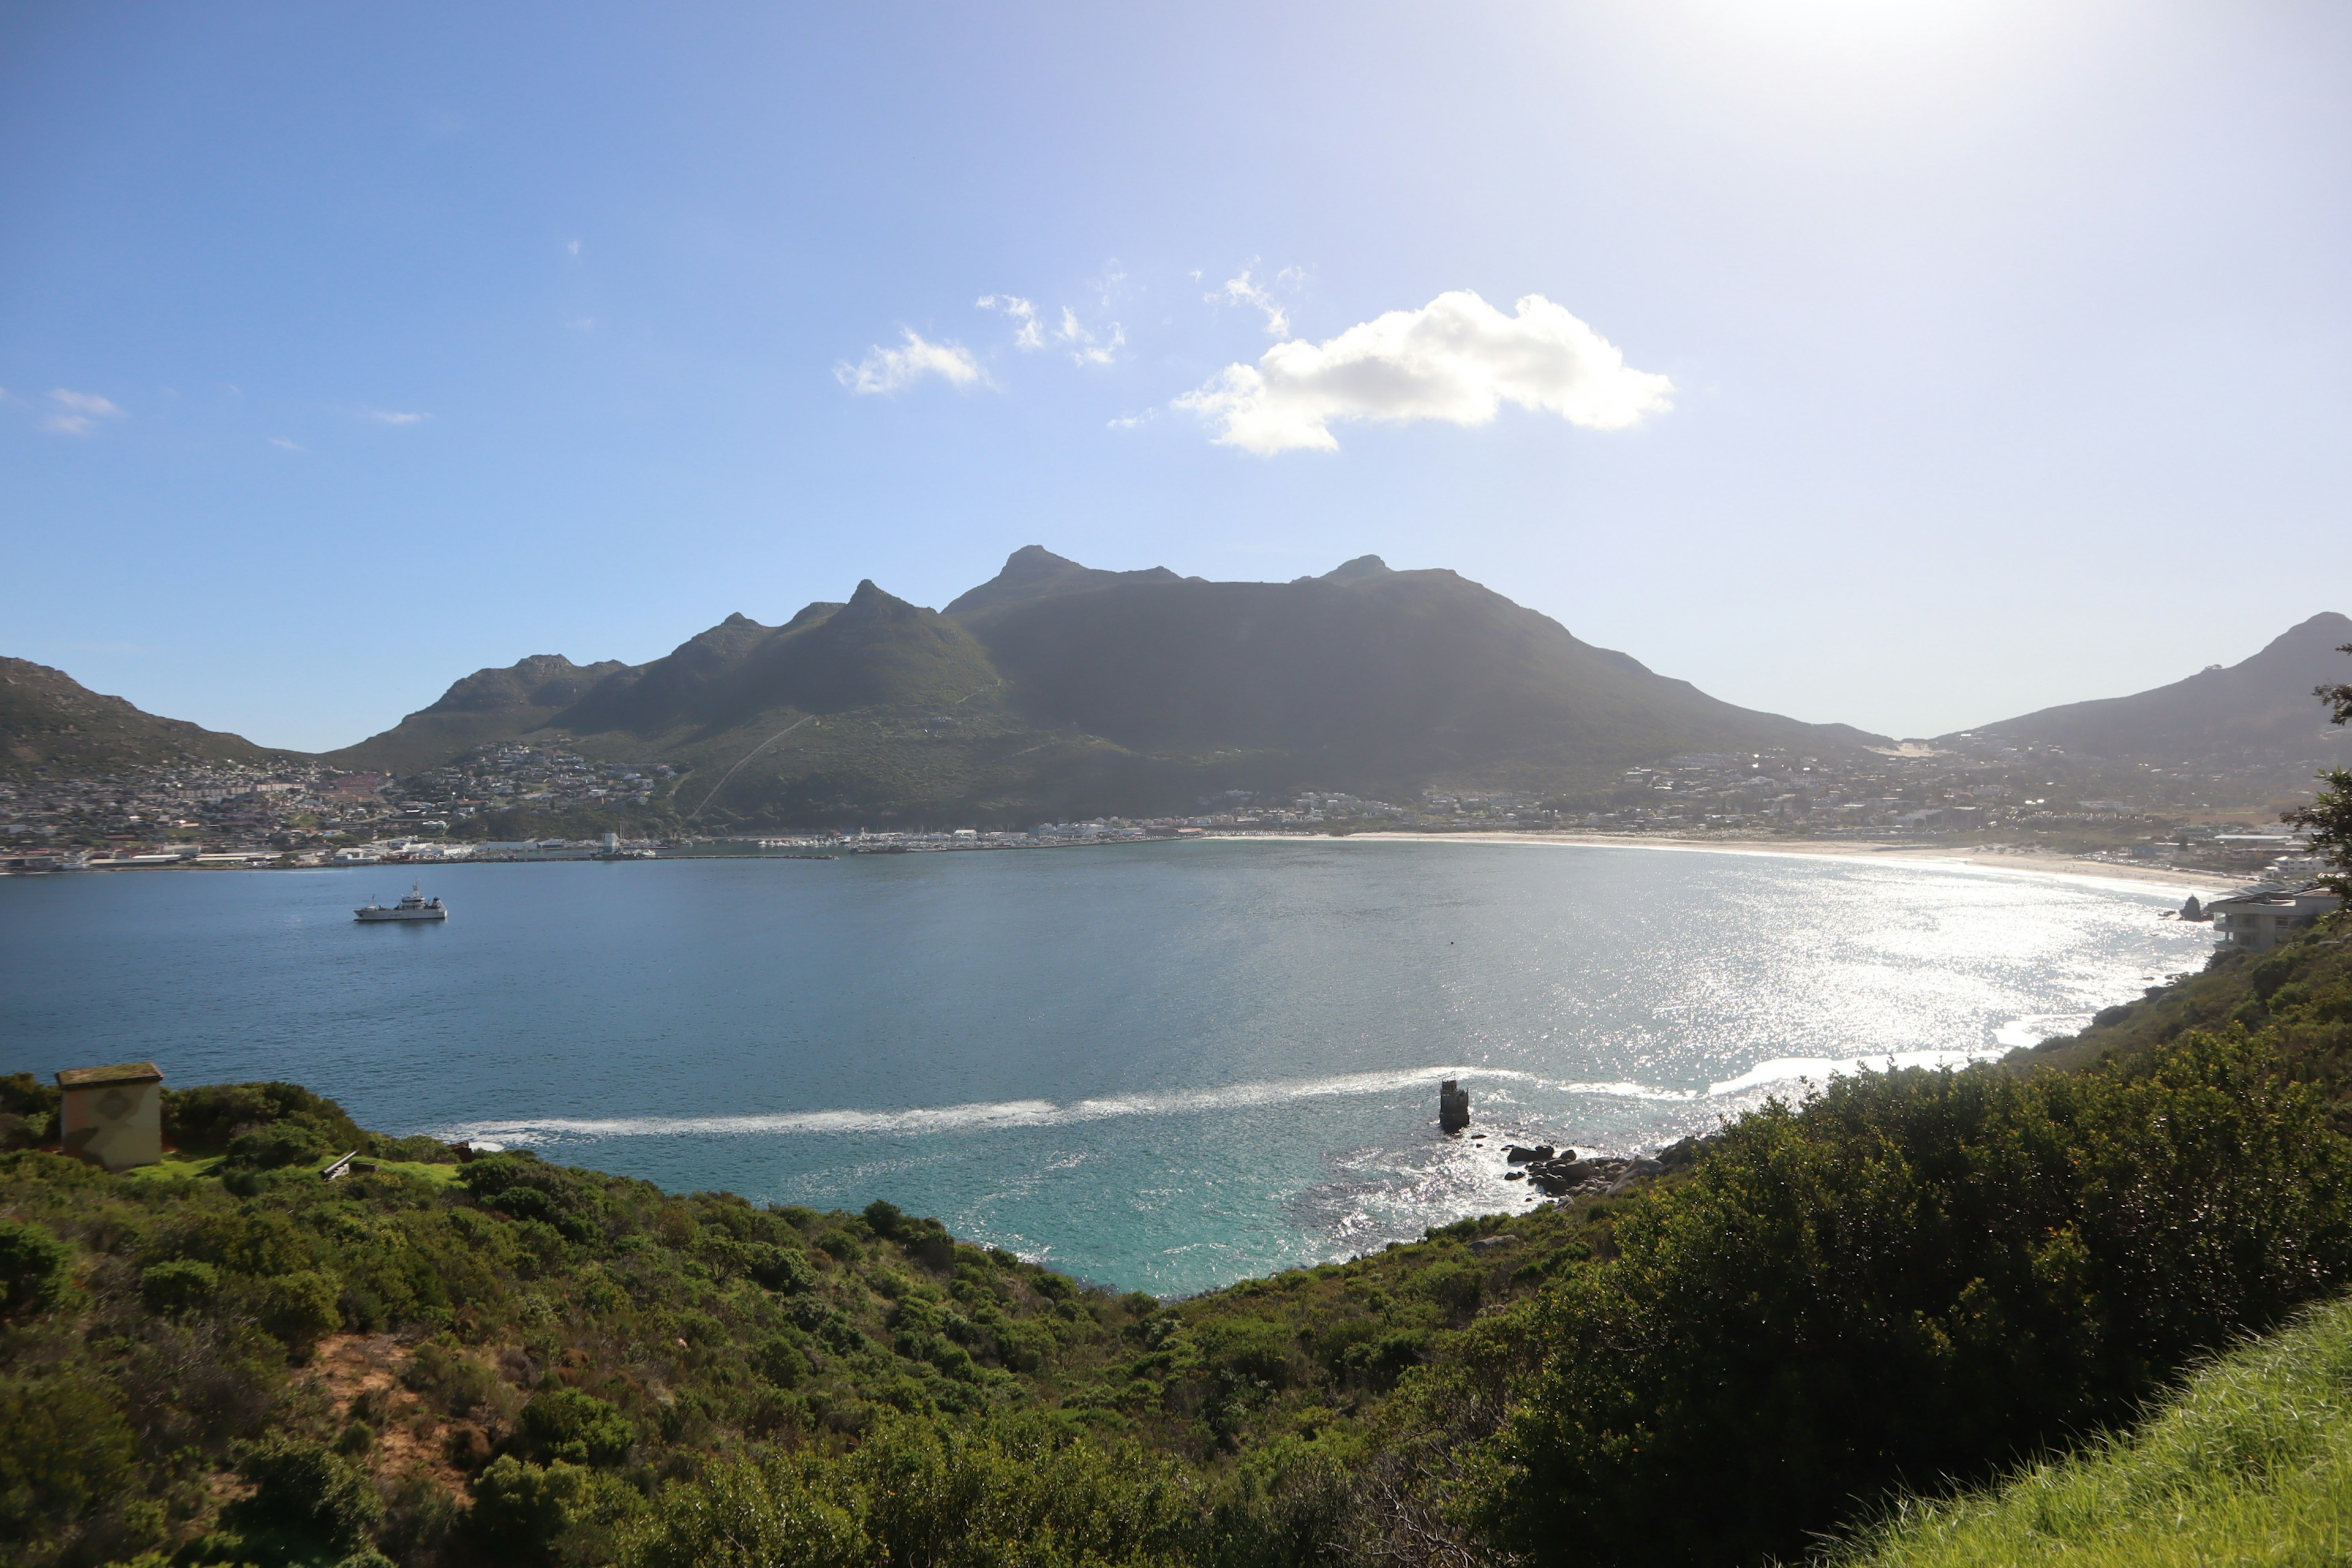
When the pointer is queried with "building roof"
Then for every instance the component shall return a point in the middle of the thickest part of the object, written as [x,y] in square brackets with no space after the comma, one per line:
[122,1073]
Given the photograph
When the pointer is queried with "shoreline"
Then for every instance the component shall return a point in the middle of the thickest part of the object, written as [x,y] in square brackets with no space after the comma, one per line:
[2033,862]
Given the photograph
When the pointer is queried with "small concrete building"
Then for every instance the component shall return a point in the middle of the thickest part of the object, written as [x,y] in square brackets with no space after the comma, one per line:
[112,1116]
[2257,922]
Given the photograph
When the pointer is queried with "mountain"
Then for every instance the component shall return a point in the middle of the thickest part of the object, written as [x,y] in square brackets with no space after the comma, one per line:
[50,722]
[2260,710]
[1033,571]
[487,706]
[876,651]
[1056,688]
[1364,674]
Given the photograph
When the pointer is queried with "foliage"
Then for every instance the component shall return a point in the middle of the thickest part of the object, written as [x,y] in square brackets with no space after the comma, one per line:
[34,1267]
[1913,1276]
[2329,816]
[304,1490]
[2252,1463]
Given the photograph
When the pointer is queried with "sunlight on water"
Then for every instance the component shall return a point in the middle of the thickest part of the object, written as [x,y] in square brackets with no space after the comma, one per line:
[1161,1065]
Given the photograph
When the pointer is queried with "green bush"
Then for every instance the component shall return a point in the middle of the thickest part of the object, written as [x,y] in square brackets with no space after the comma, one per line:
[35,1267]
[273,1148]
[64,1449]
[566,1423]
[1917,1275]
[744,1514]
[522,1508]
[300,1308]
[204,1121]
[180,1285]
[782,1270]
[306,1490]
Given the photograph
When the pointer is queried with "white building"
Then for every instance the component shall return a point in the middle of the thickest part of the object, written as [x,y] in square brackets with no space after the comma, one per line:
[2257,922]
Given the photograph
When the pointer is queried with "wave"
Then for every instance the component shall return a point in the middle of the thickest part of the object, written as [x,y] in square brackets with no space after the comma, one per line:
[983,1116]
[1795,1069]
[978,1116]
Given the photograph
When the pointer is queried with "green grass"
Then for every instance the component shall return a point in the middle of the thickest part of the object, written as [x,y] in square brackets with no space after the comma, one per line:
[179,1167]
[2253,1463]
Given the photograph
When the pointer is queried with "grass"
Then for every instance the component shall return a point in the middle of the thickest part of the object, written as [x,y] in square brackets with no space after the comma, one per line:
[2251,1464]
[175,1167]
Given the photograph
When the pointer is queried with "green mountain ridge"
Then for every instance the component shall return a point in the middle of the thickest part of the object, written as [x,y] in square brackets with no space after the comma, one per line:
[50,722]
[486,707]
[2258,709]
[1058,689]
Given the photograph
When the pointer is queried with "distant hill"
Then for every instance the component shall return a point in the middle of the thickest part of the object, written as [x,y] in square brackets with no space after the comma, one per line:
[50,722]
[2258,710]
[1365,673]
[485,706]
[1056,688]
[1033,571]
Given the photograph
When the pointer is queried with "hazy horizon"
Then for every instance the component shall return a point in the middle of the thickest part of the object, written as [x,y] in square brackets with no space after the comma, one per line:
[1908,368]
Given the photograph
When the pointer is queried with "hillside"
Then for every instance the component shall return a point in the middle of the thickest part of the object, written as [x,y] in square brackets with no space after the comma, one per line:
[487,706]
[2252,1463]
[1058,689]
[50,722]
[1387,680]
[455,1361]
[2254,712]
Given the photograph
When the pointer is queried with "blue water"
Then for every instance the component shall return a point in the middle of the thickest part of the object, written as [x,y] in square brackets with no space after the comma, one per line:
[1161,1065]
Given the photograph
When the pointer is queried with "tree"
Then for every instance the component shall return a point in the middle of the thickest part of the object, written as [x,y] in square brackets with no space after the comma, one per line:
[2329,816]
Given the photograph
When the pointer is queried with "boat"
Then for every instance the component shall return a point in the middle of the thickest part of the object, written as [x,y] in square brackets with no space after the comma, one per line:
[413,905]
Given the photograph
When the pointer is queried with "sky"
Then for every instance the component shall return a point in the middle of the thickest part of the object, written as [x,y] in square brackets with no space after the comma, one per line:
[1904,365]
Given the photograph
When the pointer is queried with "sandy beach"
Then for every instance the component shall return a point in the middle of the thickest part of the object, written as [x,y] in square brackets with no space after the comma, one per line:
[1982,859]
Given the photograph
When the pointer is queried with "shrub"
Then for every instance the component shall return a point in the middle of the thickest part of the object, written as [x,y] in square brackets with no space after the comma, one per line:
[179,1285]
[300,1308]
[1917,1275]
[34,1267]
[782,1270]
[745,1514]
[64,1447]
[522,1507]
[204,1121]
[304,1490]
[275,1148]
[569,1424]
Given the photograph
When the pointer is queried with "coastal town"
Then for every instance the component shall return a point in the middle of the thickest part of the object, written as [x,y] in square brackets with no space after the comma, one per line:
[525,802]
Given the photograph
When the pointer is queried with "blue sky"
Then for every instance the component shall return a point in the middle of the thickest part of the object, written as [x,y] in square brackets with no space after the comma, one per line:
[1904,365]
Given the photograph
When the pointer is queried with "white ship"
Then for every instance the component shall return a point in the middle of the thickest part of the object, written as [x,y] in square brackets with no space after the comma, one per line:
[413,906]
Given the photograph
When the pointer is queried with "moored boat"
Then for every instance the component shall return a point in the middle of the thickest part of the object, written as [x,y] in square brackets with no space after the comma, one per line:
[413,906]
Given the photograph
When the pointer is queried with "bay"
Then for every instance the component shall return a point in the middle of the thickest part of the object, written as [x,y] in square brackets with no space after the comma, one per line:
[1162,1067]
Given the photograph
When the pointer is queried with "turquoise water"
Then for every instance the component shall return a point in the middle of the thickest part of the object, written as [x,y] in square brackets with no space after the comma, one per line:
[1161,1065]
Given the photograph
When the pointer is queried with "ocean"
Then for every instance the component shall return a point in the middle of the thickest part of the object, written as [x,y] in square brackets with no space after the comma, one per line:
[1159,1067]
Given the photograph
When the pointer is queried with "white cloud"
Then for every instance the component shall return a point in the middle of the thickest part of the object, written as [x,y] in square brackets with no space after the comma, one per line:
[1021,310]
[573,247]
[1241,290]
[289,446]
[887,370]
[1457,359]
[1083,346]
[387,416]
[83,410]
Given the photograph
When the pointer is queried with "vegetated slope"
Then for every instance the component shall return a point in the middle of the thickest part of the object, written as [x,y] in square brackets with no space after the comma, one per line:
[1364,678]
[1057,689]
[2258,710]
[50,722]
[487,706]
[2252,1463]
[1034,572]
[1916,1275]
